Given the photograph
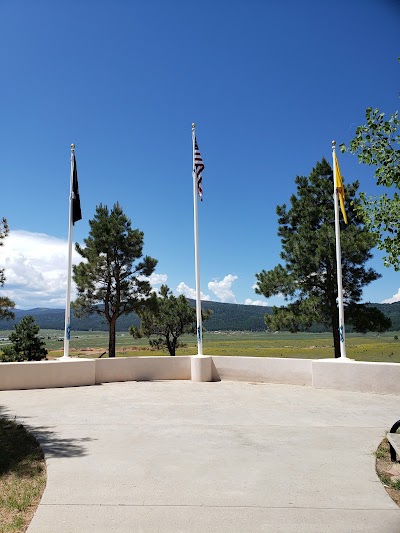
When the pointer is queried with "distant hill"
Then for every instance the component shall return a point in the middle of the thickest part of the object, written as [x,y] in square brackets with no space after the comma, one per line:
[225,317]
[392,311]
[232,317]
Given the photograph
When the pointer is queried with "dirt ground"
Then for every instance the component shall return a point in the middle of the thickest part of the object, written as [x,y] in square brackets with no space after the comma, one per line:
[388,472]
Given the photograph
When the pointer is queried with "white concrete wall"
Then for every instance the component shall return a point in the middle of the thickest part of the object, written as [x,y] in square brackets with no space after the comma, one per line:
[264,369]
[142,368]
[47,374]
[382,378]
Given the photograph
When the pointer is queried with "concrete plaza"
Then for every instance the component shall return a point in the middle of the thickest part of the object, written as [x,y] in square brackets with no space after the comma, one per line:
[179,456]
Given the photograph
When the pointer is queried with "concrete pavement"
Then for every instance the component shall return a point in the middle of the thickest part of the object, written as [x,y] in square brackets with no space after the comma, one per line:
[178,456]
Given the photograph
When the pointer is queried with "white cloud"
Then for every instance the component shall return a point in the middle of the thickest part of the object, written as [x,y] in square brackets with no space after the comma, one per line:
[182,288]
[249,301]
[394,298]
[36,269]
[157,279]
[222,289]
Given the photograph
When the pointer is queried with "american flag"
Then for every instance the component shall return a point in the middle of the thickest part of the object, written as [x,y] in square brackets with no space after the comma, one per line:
[198,169]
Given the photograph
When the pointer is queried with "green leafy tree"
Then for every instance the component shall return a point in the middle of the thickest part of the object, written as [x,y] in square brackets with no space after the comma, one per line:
[112,281]
[365,317]
[5,303]
[377,143]
[168,319]
[309,277]
[25,342]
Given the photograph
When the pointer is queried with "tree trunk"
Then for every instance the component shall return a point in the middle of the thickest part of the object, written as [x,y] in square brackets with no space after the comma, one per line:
[111,338]
[171,347]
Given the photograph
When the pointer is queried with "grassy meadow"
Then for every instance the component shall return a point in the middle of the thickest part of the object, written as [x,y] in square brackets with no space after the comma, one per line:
[370,347]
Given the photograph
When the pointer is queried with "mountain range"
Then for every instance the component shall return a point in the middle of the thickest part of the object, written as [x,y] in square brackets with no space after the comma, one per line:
[225,317]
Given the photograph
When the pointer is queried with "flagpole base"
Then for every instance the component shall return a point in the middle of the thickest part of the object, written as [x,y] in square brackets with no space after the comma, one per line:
[337,360]
[201,368]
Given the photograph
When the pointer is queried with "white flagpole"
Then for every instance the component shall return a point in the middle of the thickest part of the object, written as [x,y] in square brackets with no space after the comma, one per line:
[199,327]
[342,340]
[67,330]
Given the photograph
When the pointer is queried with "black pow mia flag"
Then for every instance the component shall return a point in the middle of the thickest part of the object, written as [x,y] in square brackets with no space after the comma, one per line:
[76,202]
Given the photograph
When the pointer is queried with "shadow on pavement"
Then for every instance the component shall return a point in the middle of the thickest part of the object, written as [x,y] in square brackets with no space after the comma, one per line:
[52,444]
[56,446]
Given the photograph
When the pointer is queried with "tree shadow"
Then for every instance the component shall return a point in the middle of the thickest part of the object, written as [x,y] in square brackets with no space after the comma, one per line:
[19,442]
[19,450]
[55,446]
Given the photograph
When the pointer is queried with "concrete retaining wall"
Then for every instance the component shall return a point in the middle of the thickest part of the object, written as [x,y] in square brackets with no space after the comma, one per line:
[47,374]
[142,368]
[382,378]
[264,369]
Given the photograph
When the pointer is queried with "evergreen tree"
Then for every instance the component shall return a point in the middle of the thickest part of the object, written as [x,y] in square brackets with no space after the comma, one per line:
[5,303]
[25,342]
[168,319]
[309,277]
[112,280]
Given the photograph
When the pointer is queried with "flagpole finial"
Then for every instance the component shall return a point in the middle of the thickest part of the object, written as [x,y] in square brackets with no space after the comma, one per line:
[193,125]
[333,144]
[72,147]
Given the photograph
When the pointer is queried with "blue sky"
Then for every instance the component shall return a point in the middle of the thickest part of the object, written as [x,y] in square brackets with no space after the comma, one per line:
[269,85]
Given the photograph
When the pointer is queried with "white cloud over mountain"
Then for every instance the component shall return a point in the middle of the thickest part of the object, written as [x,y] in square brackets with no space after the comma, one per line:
[249,301]
[187,291]
[394,298]
[223,289]
[36,269]
[36,274]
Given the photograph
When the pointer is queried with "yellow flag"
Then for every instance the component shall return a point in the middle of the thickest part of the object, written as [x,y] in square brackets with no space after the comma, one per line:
[339,186]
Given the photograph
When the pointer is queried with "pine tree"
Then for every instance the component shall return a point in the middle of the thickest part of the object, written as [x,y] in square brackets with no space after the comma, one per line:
[308,280]
[26,345]
[168,319]
[5,303]
[112,282]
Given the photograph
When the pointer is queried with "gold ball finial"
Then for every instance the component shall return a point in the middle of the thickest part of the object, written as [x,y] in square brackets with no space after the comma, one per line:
[72,147]
[193,125]
[333,143]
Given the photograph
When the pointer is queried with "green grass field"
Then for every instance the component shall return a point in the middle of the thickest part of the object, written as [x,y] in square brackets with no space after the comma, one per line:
[22,476]
[371,347]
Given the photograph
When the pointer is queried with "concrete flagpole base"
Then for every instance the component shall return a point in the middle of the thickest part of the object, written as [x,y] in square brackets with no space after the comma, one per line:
[337,360]
[201,369]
